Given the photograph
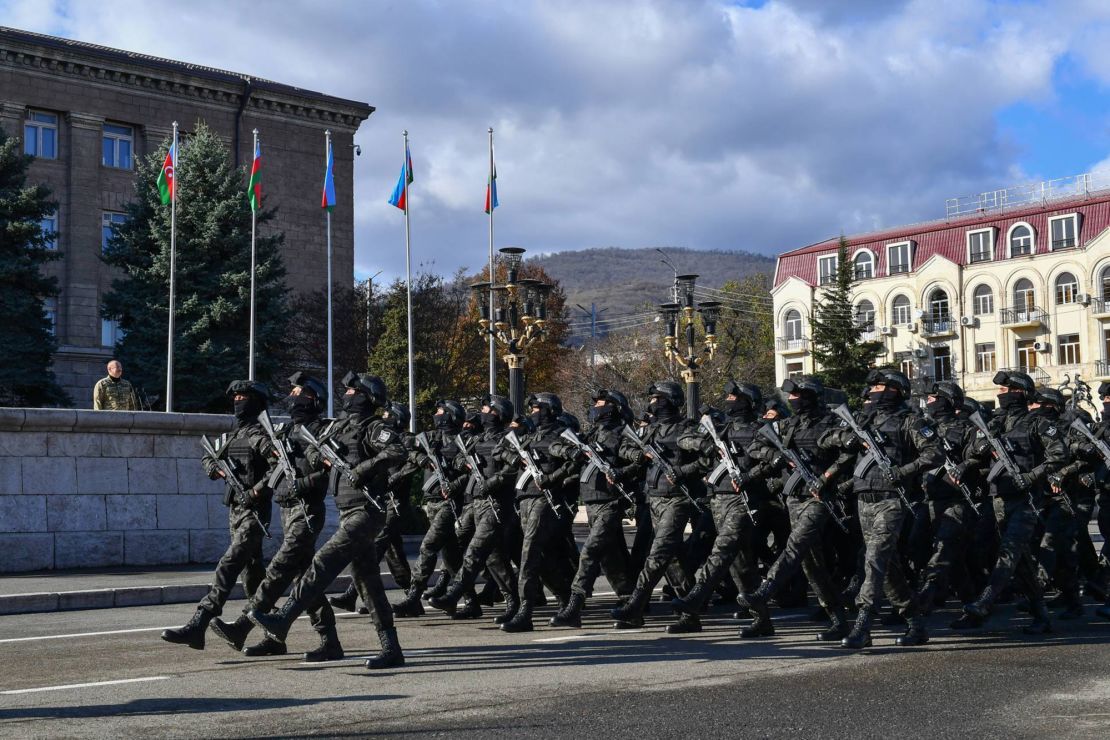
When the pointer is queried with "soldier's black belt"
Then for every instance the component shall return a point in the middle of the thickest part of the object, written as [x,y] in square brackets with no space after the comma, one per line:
[874,497]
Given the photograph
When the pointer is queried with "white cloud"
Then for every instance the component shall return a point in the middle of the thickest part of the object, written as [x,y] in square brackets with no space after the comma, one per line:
[633,123]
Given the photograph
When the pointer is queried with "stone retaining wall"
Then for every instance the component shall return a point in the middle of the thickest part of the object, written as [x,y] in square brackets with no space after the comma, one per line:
[82,489]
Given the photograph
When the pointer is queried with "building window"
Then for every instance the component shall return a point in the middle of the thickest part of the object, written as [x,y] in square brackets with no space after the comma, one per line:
[110,333]
[1064,231]
[982,301]
[1066,288]
[792,325]
[906,364]
[980,245]
[1026,355]
[49,226]
[826,270]
[1106,344]
[50,309]
[865,315]
[864,264]
[942,363]
[117,145]
[1104,284]
[109,220]
[1068,349]
[984,358]
[794,369]
[938,305]
[898,258]
[900,310]
[1021,240]
[40,134]
[1024,298]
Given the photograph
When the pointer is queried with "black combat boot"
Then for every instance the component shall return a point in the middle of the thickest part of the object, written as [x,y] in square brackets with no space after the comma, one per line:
[686,623]
[192,633]
[757,598]
[692,602]
[1042,622]
[235,633]
[449,601]
[440,588]
[347,600]
[470,609]
[410,606]
[761,625]
[571,614]
[329,648]
[277,623]
[512,605]
[838,628]
[915,634]
[268,646]
[630,615]
[522,620]
[391,655]
[1073,607]
[490,594]
[860,636]
[965,622]
[1103,611]
[981,609]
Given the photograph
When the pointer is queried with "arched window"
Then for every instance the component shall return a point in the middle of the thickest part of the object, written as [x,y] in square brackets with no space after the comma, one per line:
[1104,284]
[1067,287]
[865,315]
[1021,241]
[1024,298]
[792,325]
[982,300]
[900,310]
[864,264]
[938,305]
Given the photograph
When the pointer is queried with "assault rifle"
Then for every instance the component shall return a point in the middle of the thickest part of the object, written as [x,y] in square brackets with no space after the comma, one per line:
[531,470]
[1005,463]
[439,475]
[953,471]
[875,454]
[285,465]
[651,450]
[802,471]
[227,470]
[476,469]
[599,462]
[735,474]
[327,450]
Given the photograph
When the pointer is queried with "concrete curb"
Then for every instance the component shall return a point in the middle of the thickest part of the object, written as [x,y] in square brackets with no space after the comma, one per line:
[107,598]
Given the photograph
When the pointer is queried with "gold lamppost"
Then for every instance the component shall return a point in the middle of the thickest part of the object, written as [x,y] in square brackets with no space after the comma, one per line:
[676,315]
[519,319]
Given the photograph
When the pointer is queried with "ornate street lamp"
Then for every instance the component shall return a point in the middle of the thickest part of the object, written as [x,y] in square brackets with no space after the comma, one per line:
[681,315]
[519,319]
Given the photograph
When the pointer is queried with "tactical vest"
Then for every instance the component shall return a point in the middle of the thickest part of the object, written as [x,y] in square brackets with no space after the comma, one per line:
[297,449]
[546,447]
[246,461]
[594,487]
[953,435]
[666,437]
[348,439]
[887,430]
[802,433]
[740,436]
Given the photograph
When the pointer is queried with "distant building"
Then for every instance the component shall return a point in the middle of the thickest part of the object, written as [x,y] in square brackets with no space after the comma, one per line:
[86,112]
[1017,278]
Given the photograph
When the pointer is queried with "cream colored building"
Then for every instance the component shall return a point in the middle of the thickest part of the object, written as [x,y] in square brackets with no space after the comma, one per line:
[1011,279]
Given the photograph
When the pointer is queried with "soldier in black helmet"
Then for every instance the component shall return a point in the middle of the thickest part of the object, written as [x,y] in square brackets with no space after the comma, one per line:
[682,442]
[1037,448]
[813,433]
[301,502]
[604,548]
[442,502]
[248,451]
[370,448]
[1102,483]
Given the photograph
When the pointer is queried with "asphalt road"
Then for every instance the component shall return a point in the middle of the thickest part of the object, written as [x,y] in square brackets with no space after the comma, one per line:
[469,679]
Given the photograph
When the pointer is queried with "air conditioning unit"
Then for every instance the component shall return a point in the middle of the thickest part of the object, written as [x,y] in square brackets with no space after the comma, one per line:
[919,313]
[1040,346]
[886,331]
[919,352]
[912,328]
[968,321]
[1083,299]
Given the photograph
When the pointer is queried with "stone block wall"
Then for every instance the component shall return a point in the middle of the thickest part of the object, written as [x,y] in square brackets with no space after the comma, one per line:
[84,489]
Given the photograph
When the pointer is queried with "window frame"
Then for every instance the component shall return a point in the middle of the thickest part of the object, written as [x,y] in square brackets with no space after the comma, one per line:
[116,138]
[1071,347]
[791,372]
[29,121]
[872,262]
[981,353]
[1056,289]
[112,326]
[50,310]
[990,232]
[1010,239]
[908,244]
[1028,305]
[105,224]
[975,300]
[869,325]
[821,275]
[787,321]
[894,306]
[942,357]
[52,243]
[1074,218]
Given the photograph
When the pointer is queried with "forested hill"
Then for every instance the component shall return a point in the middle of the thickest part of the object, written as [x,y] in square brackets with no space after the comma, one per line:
[626,281]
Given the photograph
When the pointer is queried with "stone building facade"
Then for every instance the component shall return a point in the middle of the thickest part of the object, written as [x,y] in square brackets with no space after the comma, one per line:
[87,112]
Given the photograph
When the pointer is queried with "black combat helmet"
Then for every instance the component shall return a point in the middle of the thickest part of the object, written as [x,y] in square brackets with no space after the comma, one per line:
[570,421]
[371,385]
[318,389]
[249,388]
[400,412]
[668,389]
[1103,389]
[949,390]
[550,400]
[1015,380]
[891,379]
[501,406]
[806,385]
[971,406]
[732,388]
[453,409]
[1050,397]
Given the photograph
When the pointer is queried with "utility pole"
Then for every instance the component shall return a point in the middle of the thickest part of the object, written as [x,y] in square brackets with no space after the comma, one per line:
[369,309]
[593,313]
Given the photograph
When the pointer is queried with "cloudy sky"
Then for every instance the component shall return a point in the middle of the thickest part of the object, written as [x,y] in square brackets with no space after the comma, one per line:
[699,123]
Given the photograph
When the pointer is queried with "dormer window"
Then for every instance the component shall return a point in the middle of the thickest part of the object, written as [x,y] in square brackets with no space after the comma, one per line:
[898,258]
[826,270]
[1064,231]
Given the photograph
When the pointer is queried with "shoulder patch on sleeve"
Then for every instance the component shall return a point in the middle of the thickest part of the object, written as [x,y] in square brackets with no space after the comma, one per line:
[1051,430]
[927,431]
[385,435]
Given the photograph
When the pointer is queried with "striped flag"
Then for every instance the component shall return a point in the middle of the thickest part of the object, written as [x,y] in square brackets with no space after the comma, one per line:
[166,177]
[491,185]
[254,186]
[328,198]
[400,197]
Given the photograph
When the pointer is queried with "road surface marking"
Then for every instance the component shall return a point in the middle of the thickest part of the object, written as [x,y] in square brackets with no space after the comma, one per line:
[568,638]
[85,685]
[97,634]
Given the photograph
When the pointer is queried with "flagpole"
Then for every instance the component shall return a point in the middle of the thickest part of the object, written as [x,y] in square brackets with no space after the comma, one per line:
[331,371]
[408,291]
[250,365]
[492,343]
[173,268]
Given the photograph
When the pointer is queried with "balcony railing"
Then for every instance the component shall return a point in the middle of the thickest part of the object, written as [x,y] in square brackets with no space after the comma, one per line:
[981,256]
[1058,244]
[1102,369]
[1100,305]
[1039,376]
[1027,315]
[898,269]
[937,324]
[789,344]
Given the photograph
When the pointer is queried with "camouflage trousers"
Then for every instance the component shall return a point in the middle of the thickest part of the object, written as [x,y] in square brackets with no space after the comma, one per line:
[881,522]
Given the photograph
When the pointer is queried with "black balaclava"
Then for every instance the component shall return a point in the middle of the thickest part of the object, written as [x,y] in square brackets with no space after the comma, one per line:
[302,408]
[886,399]
[940,408]
[602,414]
[542,416]
[663,410]
[247,409]
[1047,410]
[491,422]
[358,404]
[1011,400]
[805,403]
[739,408]
[1106,409]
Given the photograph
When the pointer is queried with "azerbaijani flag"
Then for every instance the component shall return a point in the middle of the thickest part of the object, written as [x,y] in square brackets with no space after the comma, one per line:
[400,197]
[254,186]
[328,198]
[491,186]
[166,177]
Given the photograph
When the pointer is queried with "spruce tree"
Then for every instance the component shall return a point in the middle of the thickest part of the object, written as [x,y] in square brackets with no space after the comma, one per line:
[843,360]
[213,278]
[26,336]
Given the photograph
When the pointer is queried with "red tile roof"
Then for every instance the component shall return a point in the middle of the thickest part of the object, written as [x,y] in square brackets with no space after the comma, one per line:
[947,238]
